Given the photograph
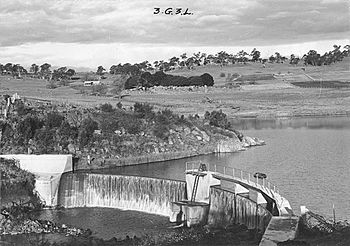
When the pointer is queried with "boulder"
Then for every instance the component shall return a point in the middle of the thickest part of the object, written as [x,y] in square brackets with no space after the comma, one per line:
[230,145]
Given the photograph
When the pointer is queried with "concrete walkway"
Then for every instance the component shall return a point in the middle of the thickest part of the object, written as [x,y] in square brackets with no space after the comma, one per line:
[280,229]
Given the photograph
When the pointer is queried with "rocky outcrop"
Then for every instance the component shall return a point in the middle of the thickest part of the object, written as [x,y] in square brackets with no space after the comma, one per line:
[234,144]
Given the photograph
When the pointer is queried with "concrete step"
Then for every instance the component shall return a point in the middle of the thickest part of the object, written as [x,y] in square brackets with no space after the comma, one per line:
[280,229]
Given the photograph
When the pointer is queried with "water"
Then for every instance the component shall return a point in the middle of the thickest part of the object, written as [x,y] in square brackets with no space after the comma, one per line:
[109,222]
[308,159]
[124,192]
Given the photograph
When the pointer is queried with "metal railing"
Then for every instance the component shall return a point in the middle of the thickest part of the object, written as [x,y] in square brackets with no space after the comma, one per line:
[240,175]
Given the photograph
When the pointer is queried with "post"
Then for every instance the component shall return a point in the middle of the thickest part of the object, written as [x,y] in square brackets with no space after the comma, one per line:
[241,175]
[0,190]
[333,214]
[248,177]
[257,180]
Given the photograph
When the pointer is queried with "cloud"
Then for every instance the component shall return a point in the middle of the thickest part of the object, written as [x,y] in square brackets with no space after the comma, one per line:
[213,23]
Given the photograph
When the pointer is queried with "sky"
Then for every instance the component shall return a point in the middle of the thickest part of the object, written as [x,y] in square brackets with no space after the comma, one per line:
[89,33]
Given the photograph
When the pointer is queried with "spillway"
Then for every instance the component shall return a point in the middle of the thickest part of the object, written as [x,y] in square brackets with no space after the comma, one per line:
[123,192]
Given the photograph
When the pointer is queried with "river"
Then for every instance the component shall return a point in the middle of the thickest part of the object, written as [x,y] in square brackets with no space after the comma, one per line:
[308,159]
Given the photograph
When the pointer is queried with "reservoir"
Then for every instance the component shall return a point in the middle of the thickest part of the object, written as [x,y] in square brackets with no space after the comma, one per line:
[307,158]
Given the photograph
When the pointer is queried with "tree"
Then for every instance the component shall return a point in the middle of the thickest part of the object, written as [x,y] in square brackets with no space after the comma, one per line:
[34,69]
[70,72]
[8,68]
[294,60]
[272,59]
[311,58]
[100,70]
[278,57]
[255,54]
[241,56]
[59,74]
[45,71]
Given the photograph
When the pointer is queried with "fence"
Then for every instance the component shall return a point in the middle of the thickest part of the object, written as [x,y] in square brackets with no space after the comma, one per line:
[240,175]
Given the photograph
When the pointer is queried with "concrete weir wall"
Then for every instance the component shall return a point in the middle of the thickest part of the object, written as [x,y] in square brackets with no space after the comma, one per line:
[124,192]
[227,208]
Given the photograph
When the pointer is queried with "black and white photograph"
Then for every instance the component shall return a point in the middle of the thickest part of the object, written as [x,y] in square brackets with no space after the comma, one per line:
[174,123]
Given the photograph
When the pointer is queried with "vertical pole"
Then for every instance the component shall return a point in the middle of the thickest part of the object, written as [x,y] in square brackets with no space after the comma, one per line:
[248,177]
[241,174]
[257,180]
[0,190]
[333,214]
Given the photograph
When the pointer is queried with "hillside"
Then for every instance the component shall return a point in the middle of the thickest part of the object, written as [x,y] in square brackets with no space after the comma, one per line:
[253,91]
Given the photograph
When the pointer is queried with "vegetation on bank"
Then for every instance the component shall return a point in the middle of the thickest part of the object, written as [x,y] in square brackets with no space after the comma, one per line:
[108,131]
[16,184]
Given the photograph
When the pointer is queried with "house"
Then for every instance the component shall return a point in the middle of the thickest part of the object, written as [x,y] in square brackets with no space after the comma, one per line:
[92,82]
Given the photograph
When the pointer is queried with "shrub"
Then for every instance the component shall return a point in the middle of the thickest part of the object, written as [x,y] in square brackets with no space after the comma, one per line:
[28,126]
[144,110]
[45,139]
[207,79]
[119,105]
[132,82]
[161,131]
[218,119]
[53,119]
[15,180]
[106,107]
[20,108]
[222,74]
[87,128]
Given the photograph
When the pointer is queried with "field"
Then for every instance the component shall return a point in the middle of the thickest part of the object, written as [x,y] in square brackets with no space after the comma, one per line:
[253,91]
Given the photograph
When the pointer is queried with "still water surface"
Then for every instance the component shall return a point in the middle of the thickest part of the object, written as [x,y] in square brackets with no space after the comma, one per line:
[308,159]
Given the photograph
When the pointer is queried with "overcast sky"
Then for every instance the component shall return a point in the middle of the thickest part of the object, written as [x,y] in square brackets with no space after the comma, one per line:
[105,32]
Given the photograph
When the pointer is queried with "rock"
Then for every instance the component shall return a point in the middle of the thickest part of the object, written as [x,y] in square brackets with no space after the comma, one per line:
[230,145]
[206,137]
[187,130]
[249,141]
[170,141]
[71,148]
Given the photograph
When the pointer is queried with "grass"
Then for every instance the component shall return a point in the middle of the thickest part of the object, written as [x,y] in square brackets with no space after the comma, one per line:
[272,94]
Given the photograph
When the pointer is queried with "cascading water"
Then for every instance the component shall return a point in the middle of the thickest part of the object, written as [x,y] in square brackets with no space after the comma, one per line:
[124,192]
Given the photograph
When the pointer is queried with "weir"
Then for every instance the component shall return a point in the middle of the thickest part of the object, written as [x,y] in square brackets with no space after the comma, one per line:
[149,195]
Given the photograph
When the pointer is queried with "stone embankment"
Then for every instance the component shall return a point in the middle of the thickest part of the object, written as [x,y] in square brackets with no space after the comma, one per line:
[182,142]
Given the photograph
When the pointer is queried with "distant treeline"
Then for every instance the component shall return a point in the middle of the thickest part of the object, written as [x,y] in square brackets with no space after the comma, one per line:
[161,79]
[184,61]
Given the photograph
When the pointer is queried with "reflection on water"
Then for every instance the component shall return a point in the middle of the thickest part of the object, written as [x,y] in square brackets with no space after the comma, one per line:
[312,123]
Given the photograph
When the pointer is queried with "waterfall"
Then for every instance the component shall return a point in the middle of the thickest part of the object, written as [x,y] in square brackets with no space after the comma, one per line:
[124,192]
